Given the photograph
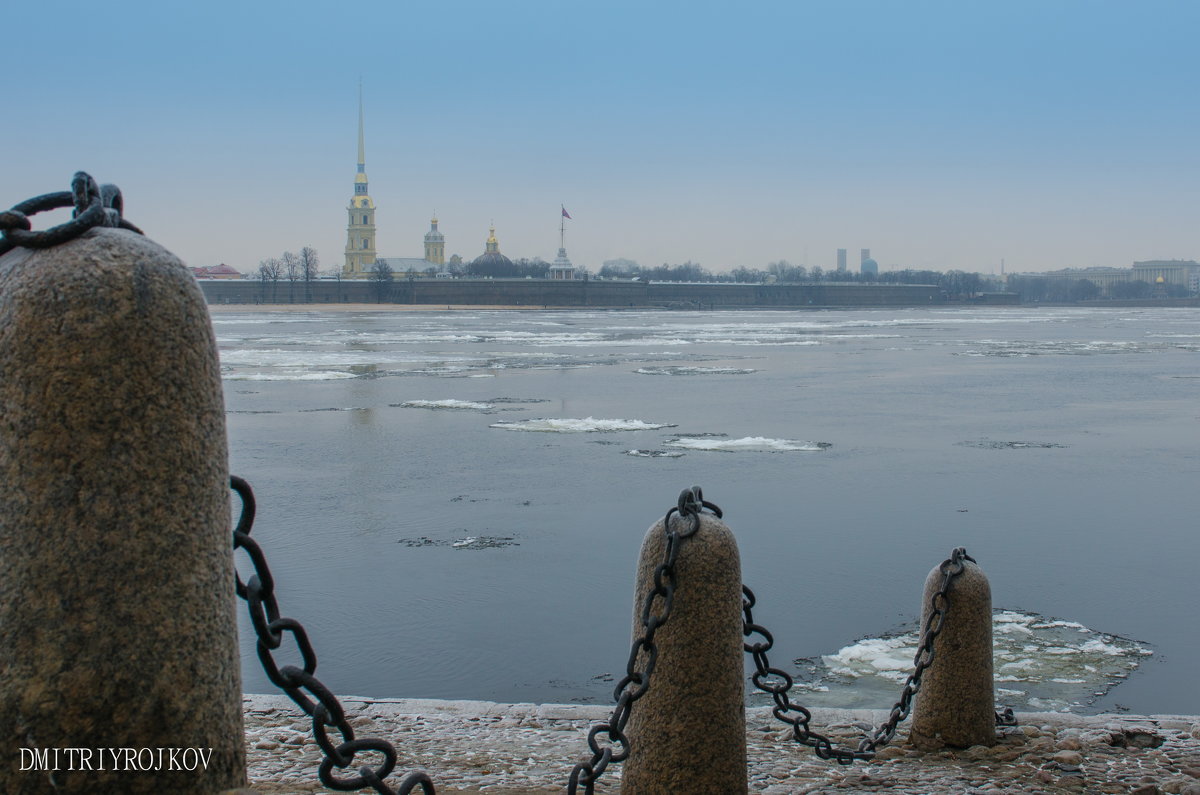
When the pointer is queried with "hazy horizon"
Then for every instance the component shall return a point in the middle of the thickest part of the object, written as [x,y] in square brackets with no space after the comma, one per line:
[939,135]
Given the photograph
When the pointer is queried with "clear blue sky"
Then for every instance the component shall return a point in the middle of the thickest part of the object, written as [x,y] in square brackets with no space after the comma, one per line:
[1049,133]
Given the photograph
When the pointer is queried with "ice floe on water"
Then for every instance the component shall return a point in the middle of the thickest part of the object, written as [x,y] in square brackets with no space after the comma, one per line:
[449,403]
[586,425]
[990,444]
[1039,664]
[694,370]
[1024,348]
[747,444]
[287,375]
[470,542]
[653,454]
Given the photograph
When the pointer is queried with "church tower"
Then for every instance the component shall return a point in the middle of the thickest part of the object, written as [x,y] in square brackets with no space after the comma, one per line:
[435,244]
[360,232]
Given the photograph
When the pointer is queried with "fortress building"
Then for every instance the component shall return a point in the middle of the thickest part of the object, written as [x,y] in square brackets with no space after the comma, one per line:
[361,256]
[360,232]
[435,244]
[491,262]
[562,267]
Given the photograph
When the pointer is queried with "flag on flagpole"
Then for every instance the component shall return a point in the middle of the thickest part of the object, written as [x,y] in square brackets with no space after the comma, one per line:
[565,213]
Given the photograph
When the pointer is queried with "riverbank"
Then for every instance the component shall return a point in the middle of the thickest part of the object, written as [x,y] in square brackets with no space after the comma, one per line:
[506,749]
[221,309]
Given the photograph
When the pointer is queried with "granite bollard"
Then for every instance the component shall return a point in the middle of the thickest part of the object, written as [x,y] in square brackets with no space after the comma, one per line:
[119,665]
[688,732]
[955,706]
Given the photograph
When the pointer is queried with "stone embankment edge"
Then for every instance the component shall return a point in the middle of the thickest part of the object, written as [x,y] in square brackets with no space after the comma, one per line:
[510,749]
[465,709]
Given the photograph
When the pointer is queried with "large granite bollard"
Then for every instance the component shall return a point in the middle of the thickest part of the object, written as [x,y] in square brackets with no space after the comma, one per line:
[688,732]
[119,665]
[955,706]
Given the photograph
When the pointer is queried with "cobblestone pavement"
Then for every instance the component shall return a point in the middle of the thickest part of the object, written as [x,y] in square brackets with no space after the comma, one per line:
[505,749]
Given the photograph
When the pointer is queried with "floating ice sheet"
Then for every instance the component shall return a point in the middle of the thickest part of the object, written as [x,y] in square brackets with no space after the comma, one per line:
[449,403]
[287,375]
[1039,664]
[991,444]
[695,370]
[586,425]
[1023,348]
[470,542]
[747,444]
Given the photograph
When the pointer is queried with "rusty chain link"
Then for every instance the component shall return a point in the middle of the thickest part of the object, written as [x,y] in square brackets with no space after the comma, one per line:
[326,711]
[777,682]
[636,682]
[95,205]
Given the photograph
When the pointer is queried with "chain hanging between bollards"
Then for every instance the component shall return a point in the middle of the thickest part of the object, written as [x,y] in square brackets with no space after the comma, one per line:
[777,682]
[326,711]
[636,682]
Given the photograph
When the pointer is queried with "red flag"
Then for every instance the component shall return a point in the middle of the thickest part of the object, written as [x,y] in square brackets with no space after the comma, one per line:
[565,213]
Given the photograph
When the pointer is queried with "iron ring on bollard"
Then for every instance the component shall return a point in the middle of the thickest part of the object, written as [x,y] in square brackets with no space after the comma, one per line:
[95,205]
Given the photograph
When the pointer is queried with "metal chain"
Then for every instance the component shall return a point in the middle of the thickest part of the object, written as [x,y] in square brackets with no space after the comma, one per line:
[326,710]
[636,682]
[95,205]
[778,682]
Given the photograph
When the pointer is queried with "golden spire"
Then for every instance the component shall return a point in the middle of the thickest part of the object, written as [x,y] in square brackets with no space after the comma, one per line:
[362,150]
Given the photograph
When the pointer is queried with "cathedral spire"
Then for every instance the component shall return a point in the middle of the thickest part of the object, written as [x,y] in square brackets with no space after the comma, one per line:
[362,150]
[360,231]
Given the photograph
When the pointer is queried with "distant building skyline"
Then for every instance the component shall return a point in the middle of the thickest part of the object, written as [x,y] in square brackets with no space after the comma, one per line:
[361,255]
[956,136]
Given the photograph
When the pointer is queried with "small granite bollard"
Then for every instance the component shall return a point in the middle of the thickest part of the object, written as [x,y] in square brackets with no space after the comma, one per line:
[955,706]
[119,669]
[687,734]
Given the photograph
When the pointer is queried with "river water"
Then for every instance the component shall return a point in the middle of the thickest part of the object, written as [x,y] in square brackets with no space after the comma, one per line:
[452,502]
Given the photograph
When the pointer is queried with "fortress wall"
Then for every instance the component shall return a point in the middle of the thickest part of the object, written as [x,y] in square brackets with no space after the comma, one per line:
[546,292]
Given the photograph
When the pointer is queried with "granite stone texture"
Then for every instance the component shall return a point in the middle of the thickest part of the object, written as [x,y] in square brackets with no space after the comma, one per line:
[117,621]
[688,732]
[484,748]
[955,706]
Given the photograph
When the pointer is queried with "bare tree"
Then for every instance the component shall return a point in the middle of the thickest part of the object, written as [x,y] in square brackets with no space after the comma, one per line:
[291,269]
[381,278]
[269,271]
[308,270]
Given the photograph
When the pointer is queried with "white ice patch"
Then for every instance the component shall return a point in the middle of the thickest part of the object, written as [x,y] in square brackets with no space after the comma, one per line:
[1047,664]
[1025,348]
[466,405]
[887,657]
[586,425]
[653,454]
[288,375]
[693,371]
[747,444]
